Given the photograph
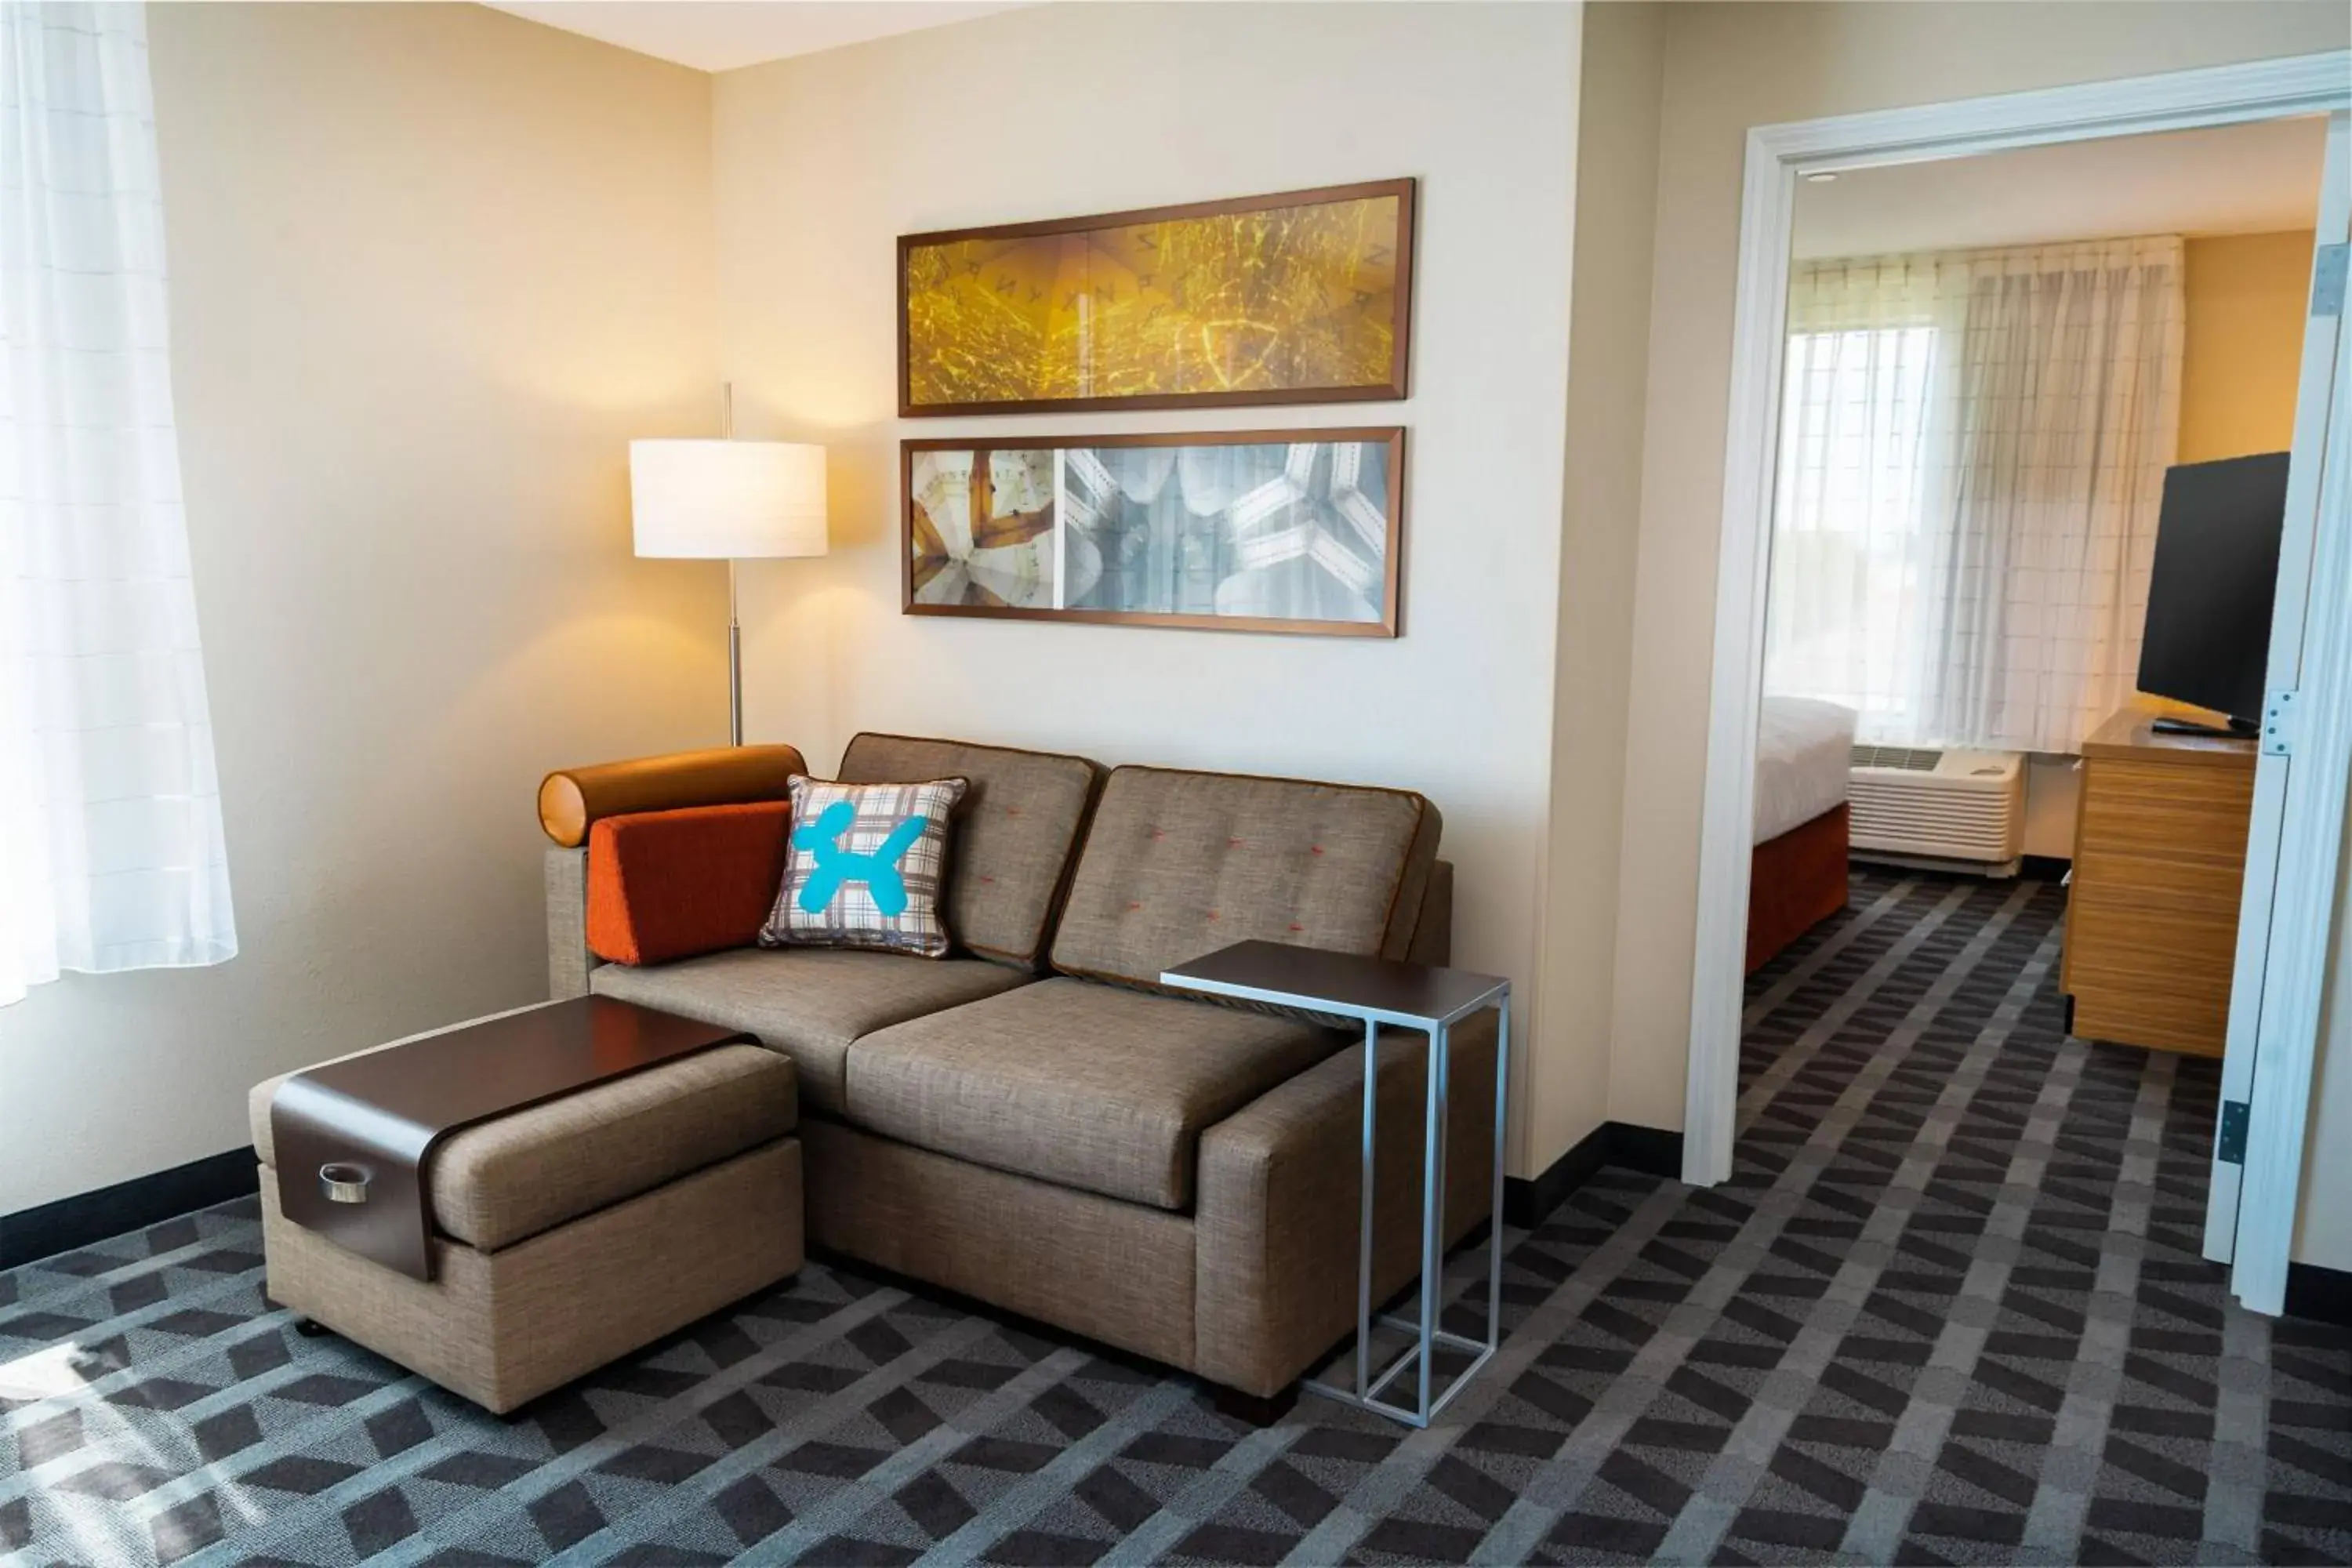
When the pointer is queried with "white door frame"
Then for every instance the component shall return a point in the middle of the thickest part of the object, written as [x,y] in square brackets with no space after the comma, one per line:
[2303,899]
[1777,156]
[2293,608]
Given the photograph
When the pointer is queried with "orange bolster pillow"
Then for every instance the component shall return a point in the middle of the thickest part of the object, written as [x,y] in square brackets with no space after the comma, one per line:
[571,799]
[670,884]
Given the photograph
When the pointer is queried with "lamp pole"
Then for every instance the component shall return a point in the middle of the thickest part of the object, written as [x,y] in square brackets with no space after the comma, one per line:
[734,625]
[734,663]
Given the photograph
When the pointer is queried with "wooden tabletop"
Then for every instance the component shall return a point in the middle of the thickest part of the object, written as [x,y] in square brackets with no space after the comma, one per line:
[517,1059]
[2129,735]
[1316,980]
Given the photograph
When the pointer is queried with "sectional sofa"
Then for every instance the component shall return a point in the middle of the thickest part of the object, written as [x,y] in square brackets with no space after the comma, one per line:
[1035,1121]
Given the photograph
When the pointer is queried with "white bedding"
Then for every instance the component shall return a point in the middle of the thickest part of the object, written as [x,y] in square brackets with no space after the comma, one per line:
[1804,752]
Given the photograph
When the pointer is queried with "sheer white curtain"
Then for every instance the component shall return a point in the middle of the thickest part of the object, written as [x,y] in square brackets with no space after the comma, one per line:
[1973,446]
[111,849]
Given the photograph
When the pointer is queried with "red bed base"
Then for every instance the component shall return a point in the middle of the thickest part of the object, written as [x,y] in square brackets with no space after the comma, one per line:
[1795,883]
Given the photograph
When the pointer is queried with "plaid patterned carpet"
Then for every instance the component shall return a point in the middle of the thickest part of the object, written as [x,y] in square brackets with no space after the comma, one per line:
[1949,1309]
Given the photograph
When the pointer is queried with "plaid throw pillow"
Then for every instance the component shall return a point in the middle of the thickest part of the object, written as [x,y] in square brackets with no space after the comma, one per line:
[865,866]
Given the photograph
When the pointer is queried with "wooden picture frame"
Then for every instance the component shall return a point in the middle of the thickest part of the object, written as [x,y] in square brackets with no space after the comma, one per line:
[1341,333]
[1343,547]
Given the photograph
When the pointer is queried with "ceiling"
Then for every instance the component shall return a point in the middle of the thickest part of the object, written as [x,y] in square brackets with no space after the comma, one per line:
[720,34]
[2240,179]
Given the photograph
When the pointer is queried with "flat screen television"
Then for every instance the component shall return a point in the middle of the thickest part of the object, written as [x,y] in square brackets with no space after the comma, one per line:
[2208,636]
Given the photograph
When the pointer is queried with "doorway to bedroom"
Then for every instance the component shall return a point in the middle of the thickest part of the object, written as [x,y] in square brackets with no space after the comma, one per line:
[2029,486]
[1992,365]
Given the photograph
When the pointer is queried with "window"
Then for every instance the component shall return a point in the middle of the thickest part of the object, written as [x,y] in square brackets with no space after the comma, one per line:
[1972,456]
[110,845]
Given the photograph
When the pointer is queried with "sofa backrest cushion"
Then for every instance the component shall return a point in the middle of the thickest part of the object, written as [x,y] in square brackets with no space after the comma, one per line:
[1177,865]
[672,884]
[1012,839]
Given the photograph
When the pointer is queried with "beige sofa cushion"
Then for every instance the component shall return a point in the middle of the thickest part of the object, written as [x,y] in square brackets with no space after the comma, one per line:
[1009,848]
[808,1002]
[1178,864]
[1087,1086]
[492,1185]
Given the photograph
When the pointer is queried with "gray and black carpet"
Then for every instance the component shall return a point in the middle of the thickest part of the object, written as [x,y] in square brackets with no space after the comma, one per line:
[1949,1309]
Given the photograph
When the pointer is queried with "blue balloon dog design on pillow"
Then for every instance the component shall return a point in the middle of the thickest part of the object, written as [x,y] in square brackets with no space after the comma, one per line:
[865,866]
[877,868]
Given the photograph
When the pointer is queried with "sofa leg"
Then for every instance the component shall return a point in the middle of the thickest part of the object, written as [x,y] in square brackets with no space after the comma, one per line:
[309,1330]
[1254,1409]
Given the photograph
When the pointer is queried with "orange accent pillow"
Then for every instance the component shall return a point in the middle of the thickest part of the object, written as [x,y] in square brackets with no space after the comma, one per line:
[671,884]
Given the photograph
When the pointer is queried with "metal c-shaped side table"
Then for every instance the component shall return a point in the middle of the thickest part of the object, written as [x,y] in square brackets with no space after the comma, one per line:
[1413,996]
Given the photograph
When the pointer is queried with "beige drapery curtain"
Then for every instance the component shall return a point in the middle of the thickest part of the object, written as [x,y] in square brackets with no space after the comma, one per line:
[111,855]
[1972,456]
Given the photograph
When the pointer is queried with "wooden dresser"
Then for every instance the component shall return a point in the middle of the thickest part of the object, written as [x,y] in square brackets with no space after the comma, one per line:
[2152,908]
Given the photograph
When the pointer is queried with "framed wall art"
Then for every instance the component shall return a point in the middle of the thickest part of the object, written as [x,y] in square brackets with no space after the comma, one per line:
[1280,531]
[1302,296]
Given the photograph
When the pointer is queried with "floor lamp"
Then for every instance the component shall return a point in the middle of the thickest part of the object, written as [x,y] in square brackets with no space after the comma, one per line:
[735,501]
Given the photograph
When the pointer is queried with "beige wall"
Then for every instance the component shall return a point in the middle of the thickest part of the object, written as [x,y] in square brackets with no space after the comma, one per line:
[1729,66]
[431,266]
[2242,352]
[1609,327]
[823,161]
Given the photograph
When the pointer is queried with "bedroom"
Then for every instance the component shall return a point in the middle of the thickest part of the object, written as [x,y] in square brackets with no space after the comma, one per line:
[1994,368]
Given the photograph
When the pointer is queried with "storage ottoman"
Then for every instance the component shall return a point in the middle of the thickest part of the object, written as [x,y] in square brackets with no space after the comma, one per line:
[570,1232]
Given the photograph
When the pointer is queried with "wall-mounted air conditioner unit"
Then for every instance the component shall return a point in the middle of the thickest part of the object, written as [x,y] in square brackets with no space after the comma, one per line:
[1945,809]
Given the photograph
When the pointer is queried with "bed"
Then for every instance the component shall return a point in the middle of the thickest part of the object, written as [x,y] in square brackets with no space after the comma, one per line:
[1797,876]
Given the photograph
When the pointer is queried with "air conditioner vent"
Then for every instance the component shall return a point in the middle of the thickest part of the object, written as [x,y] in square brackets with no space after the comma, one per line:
[1908,758]
[1942,806]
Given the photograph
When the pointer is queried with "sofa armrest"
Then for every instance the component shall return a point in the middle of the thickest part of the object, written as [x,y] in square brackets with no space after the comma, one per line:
[568,958]
[571,799]
[1279,1192]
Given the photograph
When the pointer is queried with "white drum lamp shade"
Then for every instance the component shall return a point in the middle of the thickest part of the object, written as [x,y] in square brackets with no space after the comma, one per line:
[727,500]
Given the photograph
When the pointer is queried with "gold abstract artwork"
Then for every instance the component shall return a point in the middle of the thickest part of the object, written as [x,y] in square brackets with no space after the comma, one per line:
[1229,306]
